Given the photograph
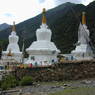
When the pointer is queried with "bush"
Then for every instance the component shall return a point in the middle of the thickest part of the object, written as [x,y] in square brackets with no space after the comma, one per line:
[0,84]
[26,80]
[9,82]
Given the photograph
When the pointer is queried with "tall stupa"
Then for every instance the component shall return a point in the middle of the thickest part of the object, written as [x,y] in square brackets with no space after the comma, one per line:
[13,50]
[83,50]
[43,51]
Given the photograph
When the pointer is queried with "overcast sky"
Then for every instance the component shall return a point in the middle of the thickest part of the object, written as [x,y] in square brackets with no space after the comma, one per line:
[20,10]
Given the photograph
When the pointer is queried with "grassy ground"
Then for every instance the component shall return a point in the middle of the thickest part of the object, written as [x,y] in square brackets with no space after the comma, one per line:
[76,91]
[56,82]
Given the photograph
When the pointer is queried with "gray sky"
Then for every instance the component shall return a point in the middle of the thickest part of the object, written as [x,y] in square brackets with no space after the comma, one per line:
[41,1]
[63,1]
[58,2]
[20,10]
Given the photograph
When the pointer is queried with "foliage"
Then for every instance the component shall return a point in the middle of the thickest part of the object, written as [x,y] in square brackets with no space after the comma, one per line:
[26,80]
[0,84]
[9,82]
[76,91]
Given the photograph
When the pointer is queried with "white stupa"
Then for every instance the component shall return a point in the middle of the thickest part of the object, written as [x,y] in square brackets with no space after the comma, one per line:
[83,50]
[43,51]
[13,51]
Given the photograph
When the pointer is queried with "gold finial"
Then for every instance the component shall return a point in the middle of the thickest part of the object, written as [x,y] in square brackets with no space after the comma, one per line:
[44,10]
[83,18]
[44,16]
[13,27]
[10,53]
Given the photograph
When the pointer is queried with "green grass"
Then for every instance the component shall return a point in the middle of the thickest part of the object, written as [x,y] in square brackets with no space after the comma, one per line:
[76,91]
[57,83]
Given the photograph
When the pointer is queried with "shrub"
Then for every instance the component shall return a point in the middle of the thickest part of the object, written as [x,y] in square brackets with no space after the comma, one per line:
[9,82]
[26,80]
[0,84]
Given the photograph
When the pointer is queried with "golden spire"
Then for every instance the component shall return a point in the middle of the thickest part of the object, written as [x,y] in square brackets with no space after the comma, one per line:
[13,27]
[44,16]
[83,18]
[10,53]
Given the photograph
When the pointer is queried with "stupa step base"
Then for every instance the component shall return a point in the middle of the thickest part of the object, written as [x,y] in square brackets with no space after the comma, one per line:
[83,56]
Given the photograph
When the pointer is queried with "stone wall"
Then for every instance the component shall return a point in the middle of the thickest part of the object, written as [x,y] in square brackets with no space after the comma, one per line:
[59,72]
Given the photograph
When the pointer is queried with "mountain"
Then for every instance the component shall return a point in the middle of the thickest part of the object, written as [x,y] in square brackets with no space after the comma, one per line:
[63,21]
[4,26]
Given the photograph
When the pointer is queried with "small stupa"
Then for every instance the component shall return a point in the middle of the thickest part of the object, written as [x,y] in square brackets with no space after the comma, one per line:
[42,52]
[13,50]
[83,50]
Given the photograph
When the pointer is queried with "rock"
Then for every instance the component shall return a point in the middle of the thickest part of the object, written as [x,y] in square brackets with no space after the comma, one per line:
[86,82]
[20,92]
[63,87]
[67,85]
[27,93]
[38,84]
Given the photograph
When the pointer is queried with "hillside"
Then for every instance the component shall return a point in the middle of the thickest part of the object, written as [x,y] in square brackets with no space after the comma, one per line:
[62,20]
[4,26]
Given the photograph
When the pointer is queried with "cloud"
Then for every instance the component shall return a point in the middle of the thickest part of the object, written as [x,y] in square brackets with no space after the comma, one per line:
[58,2]
[41,1]
[20,10]
[86,2]
[8,15]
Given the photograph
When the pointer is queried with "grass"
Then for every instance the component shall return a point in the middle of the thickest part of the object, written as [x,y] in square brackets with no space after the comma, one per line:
[76,91]
[56,82]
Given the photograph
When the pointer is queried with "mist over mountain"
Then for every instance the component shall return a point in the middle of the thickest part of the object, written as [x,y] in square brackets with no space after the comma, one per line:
[63,21]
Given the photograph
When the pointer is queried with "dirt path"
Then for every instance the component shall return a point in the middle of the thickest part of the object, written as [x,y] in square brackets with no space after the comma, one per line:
[46,88]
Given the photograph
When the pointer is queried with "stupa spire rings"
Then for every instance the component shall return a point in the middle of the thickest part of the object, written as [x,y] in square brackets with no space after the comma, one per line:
[44,16]
[14,27]
[83,17]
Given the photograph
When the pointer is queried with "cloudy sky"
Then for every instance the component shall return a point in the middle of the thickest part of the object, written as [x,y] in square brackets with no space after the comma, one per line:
[20,10]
